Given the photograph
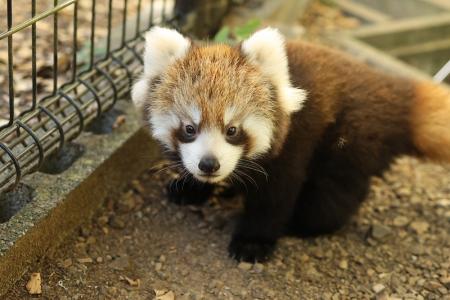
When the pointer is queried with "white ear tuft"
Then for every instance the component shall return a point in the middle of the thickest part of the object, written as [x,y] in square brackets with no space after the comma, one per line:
[162,47]
[292,98]
[139,92]
[266,49]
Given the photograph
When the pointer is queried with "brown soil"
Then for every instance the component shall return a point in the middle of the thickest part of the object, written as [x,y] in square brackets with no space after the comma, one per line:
[397,246]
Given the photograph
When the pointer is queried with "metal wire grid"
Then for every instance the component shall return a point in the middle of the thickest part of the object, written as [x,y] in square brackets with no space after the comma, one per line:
[28,138]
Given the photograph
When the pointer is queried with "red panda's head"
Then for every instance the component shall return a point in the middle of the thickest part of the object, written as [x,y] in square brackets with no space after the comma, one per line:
[216,104]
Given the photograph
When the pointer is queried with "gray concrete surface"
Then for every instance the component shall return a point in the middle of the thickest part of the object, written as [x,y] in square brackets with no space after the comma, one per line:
[65,200]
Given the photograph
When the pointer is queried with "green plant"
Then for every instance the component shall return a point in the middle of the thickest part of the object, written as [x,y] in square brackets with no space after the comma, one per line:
[238,33]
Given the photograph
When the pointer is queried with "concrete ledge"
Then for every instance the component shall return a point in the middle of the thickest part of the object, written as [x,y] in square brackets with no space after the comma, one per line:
[65,200]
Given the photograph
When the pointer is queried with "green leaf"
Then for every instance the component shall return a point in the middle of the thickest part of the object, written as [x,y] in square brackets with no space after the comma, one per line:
[244,31]
[223,35]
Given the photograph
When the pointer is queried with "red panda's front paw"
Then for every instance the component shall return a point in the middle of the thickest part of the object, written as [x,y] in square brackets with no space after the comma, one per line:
[250,250]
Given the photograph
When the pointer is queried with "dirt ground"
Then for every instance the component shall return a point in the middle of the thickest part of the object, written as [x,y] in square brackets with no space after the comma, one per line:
[397,247]
[140,246]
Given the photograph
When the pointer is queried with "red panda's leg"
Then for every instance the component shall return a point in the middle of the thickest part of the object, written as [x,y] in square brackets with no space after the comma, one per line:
[268,208]
[331,194]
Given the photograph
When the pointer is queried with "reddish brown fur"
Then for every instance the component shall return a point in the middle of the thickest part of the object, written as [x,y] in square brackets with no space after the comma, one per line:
[430,121]
[214,78]
[374,107]
[371,107]
[353,124]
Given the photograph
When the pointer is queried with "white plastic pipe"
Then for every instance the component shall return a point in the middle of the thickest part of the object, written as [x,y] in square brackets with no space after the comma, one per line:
[442,73]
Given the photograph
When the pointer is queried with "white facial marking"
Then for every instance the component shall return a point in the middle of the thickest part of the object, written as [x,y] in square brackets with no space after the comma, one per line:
[260,130]
[162,126]
[213,143]
[230,113]
[139,93]
[195,114]
[266,49]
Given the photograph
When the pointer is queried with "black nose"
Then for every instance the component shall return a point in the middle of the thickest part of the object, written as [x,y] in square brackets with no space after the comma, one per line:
[209,164]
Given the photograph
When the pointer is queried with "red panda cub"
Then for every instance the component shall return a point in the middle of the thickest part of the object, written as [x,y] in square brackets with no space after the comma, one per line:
[301,126]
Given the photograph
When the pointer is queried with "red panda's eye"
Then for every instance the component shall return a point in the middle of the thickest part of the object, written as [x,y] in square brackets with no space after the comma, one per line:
[231,131]
[190,130]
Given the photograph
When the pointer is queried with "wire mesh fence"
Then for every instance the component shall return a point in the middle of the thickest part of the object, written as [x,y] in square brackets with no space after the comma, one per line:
[93,56]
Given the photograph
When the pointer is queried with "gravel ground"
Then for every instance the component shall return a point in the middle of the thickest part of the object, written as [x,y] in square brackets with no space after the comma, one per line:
[142,247]
[397,247]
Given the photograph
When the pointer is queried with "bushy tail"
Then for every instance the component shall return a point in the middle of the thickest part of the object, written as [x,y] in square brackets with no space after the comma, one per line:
[430,121]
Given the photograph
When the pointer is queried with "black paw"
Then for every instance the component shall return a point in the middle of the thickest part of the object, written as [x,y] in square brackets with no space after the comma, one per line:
[188,194]
[250,250]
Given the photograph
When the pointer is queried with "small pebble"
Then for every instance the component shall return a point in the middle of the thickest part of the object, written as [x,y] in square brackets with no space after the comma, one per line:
[103,220]
[380,232]
[179,215]
[378,288]
[245,266]
[445,281]
[432,285]
[343,264]
[258,267]
[400,221]
[419,227]
[117,223]
[85,260]
[158,266]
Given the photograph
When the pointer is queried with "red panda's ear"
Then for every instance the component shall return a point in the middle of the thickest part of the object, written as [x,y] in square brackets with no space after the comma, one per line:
[162,47]
[266,49]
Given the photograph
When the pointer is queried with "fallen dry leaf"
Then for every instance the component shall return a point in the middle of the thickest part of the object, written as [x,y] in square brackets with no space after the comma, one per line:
[136,283]
[131,282]
[120,120]
[164,295]
[34,284]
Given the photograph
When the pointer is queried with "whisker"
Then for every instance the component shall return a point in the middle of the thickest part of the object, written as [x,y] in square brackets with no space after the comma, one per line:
[173,166]
[185,176]
[182,178]
[235,175]
[254,169]
[248,176]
